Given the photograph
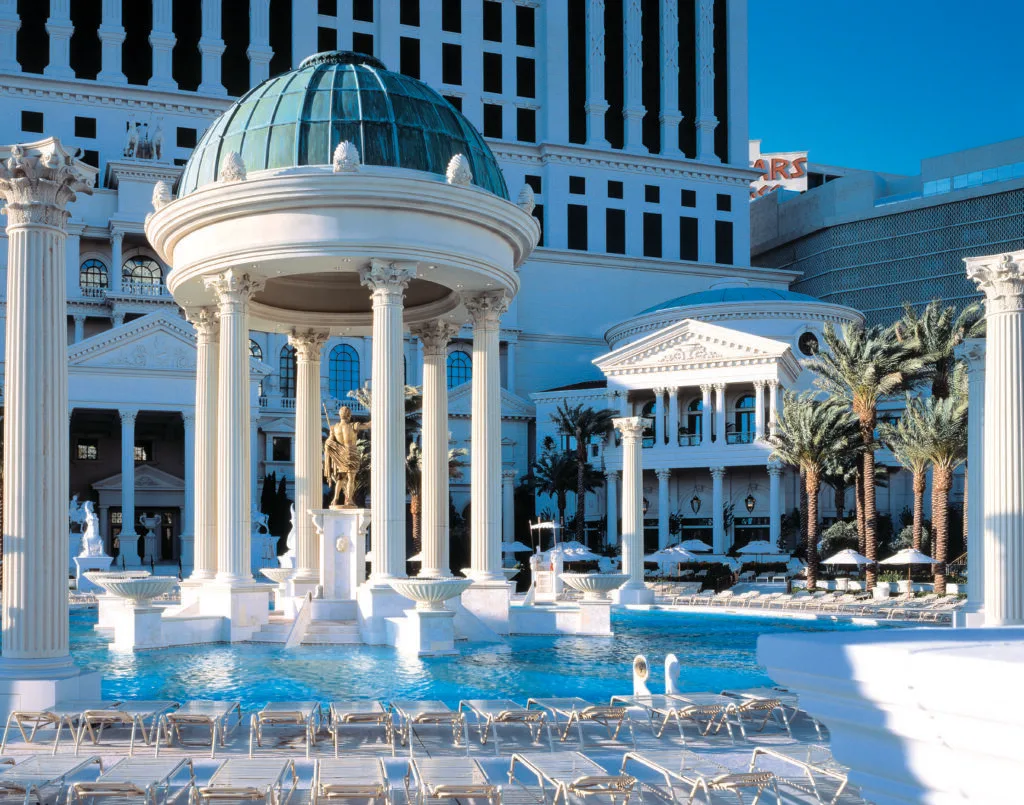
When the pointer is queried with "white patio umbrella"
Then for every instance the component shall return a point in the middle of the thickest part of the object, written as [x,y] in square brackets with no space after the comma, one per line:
[908,557]
[695,545]
[579,555]
[515,547]
[847,557]
[759,546]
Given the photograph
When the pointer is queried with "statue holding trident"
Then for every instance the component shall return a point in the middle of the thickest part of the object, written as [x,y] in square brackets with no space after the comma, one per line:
[341,457]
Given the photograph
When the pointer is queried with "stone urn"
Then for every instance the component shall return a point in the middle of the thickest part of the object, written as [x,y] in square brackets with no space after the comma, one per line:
[510,572]
[98,577]
[594,586]
[430,594]
[139,592]
[278,575]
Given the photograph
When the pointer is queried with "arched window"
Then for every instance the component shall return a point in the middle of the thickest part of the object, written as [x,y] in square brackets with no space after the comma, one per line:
[648,412]
[344,371]
[287,370]
[743,419]
[460,368]
[142,275]
[694,422]
[92,277]
[255,350]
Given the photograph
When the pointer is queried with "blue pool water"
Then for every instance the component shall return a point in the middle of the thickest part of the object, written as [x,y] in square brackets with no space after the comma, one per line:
[715,652]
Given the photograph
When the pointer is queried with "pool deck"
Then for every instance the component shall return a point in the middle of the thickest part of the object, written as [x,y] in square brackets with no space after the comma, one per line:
[758,612]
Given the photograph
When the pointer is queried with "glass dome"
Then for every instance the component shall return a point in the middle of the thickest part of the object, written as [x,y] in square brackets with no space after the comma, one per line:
[718,296]
[299,117]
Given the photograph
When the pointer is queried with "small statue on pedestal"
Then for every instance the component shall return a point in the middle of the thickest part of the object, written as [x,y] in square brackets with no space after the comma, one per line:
[341,458]
[92,542]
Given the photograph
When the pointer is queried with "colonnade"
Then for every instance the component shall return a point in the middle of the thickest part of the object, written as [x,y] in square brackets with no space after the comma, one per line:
[667,417]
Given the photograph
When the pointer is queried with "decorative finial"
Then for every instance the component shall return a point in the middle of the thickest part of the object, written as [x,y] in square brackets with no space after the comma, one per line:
[346,157]
[161,195]
[526,200]
[459,173]
[232,169]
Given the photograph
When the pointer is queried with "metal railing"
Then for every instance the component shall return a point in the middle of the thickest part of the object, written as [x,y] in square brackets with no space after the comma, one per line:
[689,439]
[743,437]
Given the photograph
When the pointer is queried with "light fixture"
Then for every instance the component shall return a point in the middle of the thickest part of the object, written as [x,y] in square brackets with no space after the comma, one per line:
[695,503]
[750,503]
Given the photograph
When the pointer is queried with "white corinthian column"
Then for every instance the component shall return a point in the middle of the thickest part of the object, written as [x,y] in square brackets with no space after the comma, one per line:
[972,351]
[634,591]
[435,336]
[309,472]
[36,182]
[388,282]
[234,485]
[1002,280]
[205,321]
[485,462]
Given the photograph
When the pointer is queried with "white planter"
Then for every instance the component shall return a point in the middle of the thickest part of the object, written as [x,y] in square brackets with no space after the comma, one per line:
[904,586]
[595,586]
[429,594]
[881,590]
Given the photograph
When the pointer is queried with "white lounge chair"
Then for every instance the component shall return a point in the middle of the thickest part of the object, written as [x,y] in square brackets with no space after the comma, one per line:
[213,716]
[489,713]
[148,779]
[248,779]
[134,715]
[350,778]
[38,773]
[808,768]
[458,778]
[278,714]
[666,708]
[725,710]
[62,714]
[366,712]
[572,711]
[572,773]
[412,713]
[684,774]
[787,708]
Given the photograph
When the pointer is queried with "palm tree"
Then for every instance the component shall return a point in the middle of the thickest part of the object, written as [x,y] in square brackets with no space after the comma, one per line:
[907,443]
[841,473]
[863,366]
[414,484]
[935,334]
[809,432]
[582,423]
[554,473]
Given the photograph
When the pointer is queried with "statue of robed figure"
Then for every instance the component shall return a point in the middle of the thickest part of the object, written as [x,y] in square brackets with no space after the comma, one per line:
[341,458]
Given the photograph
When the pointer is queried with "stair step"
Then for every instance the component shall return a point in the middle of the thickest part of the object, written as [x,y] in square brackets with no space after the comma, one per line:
[331,639]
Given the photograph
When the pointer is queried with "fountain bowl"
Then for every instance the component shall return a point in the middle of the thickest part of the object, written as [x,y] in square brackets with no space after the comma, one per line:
[278,575]
[99,576]
[595,586]
[510,572]
[430,594]
[138,591]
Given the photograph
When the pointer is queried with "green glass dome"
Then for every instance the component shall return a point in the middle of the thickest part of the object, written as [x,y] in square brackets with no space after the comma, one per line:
[299,117]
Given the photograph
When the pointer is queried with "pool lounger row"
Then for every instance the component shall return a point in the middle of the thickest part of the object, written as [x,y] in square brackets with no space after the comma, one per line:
[932,607]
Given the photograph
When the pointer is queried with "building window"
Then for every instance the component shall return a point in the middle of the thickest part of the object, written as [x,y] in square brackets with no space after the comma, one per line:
[492,120]
[85,127]
[577,185]
[492,20]
[92,276]
[143,451]
[460,368]
[694,420]
[652,193]
[688,239]
[281,448]
[577,226]
[526,78]
[688,198]
[343,371]
[652,234]
[743,420]
[409,13]
[451,16]
[615,231]
[32,121]
[538,213]
[455,101]
[362,43]
[255,350]
[615,189]
[808,344]
[723,242]
[451,63]
[186,137]
[492,72]
[724,202]
[286,372]
[362,10]
[648,413]
[141,272]
[87,449]
[326,39]
[526,125]
[525,27]
[409,56]
[535,183]
[329,8]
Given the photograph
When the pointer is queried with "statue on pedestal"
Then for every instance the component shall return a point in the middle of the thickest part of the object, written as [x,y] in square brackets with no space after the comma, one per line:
[342,458]
[92,542]
[76,513]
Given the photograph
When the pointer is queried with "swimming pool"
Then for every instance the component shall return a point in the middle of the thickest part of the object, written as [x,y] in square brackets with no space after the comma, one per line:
[715,651]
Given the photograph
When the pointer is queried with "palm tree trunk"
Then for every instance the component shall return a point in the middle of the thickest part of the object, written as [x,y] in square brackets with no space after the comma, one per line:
[417,526]
[919,485]
[942,480]
[811,490]
[803,504]
[840,491]
[964,532]
[870,517]
[858,504]
[581,493]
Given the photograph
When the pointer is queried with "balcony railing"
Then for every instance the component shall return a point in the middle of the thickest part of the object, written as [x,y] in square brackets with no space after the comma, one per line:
[92,292]
[144,289]
[330,404]
[689,439]
[743,437]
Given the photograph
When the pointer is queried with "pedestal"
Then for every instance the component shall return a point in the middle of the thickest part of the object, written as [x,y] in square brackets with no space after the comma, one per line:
[595,618]
[342,544]
[547,578]
[83,564]
[186,544]
[137,627]
[41,692]
[246,607]
[262,551]
[490,601]
[376,604]
[632,594]
[423,633]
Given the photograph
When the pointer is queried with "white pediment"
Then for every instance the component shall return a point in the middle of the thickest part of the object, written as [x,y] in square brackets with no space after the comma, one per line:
[280,425]
[159,341]
[460,403]
[146,477]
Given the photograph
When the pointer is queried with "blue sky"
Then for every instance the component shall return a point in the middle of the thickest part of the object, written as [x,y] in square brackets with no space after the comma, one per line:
[880,84]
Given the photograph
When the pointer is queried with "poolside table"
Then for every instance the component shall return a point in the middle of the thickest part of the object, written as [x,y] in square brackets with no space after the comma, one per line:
[307,715]
[489,713]
[66,713]
[576,711]
[211,715]
[415,712]
[362,711]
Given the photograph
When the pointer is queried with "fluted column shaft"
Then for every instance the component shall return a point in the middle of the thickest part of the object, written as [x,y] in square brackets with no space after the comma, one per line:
[162,40]
[759,409]
[128,524]
[705,415]
[633,107]
[234,484]
[259,51]
[611,480]
[773,405]
[706,121]
[204,528]
[718,506]
[663,507]
[309,472]
[774,502]
[632,429]
[720,436]
[670,118]
[188,420]
[486,309]
[673,416]
[111,34]
[116,241]
[35,494]
[508,505]
[973,351]
[211,48]
[658,418]
[59,30]
[79,327]
[596,105]
[387,282]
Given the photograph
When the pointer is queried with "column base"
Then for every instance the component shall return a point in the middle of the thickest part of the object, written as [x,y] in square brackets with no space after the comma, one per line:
[378,602]
[423,634]
[633,593]
[489,600]
[245,604]
[38,684]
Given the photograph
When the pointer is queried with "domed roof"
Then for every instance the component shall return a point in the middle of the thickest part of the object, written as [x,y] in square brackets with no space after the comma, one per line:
[299,117]
[731,294]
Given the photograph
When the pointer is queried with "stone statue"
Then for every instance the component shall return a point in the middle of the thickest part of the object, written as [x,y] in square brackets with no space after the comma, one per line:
[341,457]
[289,541]
[131,138]
[92,542]
[158,139]
[76,513]
[260,521]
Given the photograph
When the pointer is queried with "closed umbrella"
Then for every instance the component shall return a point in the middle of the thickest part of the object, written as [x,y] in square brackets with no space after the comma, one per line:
[515,547]
[759,546]
[696,545]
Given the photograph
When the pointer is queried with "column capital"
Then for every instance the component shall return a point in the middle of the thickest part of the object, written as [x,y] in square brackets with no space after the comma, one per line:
[611,475]
[774,468]
[486,308]
[972,352]
[659,390]
[38,182]
[206,322]
[760,384]
[79,317]
[508,475]
[128,416]
[719,386]
[308,343]
[1001,279]
[435,335]
[386,280]
[631,427]
[234,287]
[706,388]
[663,473]
[718,473]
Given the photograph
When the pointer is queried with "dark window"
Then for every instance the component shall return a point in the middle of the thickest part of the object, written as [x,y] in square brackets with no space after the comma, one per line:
[615,231]
[492,21]
[343,375]
[409,56]
[460,368]
[723,242]
[255,350]
[186,61]
[280,36]
[84,50]
[362,43]
[451,16]
[179,162]
[808,344]
[362,10]
[614,70]
[186,138]
[724,202]
[326,39]
[92,276]
[652,234]
[538,213]
[526,125]
[576,70]
[144,450]
[235,60]
[142,273]
[85,127]
[492,72]
[87,449]
[652,193]
[614,189]
[329,8]
[90,156]
[688,198]
[32,121]
[492,120]
[722,82]
[688,238]
[535,184]
[281,448]
[455,101]
[526,78]
[33,50]
[136,52]
[409,13]
[451,63]
[287,365]
[577,185]
[525,26]
[650,75]
[577,225]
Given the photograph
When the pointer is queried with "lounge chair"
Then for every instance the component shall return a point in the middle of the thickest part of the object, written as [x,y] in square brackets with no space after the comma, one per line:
[489,713]
[576,712]
[787,706]
[808,768]
[127,714]
[209,715]
[37,773]
[449,778]
[572,773]
[724,708]
[277,714]
[62,714]
[685,774]
[248,779]
[666,708]
[148,779]
[364,712]
[413,713]
[350,778]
